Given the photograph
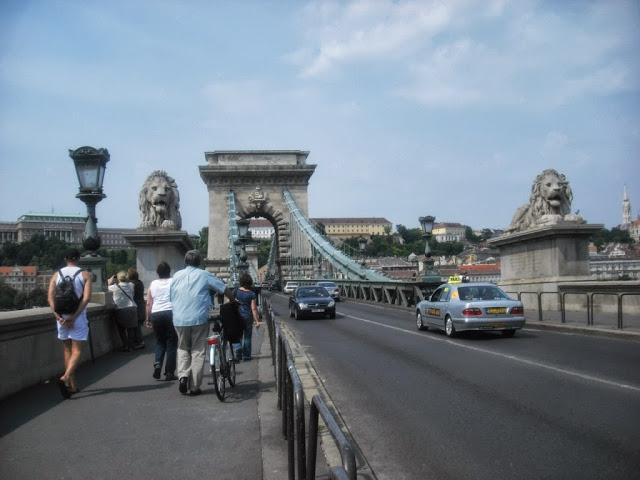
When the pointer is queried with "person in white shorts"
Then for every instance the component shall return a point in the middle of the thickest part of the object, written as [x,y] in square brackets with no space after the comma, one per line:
[73,328]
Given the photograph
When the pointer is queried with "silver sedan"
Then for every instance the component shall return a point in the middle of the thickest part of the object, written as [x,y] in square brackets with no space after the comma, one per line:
[470,306]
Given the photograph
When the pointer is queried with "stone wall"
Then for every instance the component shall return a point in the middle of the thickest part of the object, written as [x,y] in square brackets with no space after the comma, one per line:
[30,351]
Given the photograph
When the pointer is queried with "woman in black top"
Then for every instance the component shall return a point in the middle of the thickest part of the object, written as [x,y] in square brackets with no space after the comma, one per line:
[138,297]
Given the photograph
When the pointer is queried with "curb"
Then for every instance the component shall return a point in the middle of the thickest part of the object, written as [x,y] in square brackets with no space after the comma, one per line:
[595,331]
[312,384]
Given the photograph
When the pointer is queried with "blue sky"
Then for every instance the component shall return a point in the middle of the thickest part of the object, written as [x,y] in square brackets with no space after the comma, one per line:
[408,108]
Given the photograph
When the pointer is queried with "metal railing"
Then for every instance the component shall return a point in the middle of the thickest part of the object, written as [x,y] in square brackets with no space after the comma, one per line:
[590,302]
[291,400]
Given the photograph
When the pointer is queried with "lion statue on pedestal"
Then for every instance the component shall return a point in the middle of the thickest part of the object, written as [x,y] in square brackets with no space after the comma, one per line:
[159,203]
[549,203]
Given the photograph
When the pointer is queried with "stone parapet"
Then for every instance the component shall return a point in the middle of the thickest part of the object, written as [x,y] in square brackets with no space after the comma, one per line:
[30,351]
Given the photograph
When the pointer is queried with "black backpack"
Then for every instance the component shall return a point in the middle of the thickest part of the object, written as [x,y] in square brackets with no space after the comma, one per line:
[232,324]
[65,298]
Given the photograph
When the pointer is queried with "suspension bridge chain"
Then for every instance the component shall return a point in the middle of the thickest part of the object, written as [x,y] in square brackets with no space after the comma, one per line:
[303,233]
[233,237]
[271,262]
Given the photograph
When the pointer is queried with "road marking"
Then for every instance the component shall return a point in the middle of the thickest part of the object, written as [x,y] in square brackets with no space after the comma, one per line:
[583,376]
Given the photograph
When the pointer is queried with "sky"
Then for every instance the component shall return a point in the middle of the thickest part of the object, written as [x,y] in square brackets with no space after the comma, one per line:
[408,108]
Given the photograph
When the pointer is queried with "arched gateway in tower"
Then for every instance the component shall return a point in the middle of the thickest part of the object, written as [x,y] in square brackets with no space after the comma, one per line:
[257,180]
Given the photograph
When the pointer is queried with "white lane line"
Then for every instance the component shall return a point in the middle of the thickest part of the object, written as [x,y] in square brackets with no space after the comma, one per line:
[624,386]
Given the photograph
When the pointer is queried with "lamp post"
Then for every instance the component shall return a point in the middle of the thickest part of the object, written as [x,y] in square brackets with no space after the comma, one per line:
[430,275]
[362,244]
[243,237]
[90,164]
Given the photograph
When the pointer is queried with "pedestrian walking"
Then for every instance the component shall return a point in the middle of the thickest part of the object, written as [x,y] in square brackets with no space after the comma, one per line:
[160,317]
[248,311]
[126,314]
[68,296]
[190,299]
[138,297]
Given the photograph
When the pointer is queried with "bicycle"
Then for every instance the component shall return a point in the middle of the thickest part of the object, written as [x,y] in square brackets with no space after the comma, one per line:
[222,361]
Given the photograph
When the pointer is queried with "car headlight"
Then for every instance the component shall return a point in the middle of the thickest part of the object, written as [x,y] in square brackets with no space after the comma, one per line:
[303,305]
[331,304]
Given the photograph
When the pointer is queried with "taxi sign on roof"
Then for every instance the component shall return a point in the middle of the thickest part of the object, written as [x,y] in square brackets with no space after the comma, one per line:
[455,279]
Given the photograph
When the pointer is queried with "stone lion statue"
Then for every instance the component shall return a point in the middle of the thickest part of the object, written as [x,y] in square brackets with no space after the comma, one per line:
[159,203]
[549,203]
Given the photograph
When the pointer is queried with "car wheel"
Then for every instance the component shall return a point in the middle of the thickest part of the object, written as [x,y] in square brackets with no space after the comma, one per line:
[419,323]
[298,314]
[290,312]
[508,333]
[332,315]
[449,329]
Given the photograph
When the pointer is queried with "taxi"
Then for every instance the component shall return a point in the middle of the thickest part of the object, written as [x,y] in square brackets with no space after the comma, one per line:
[457,306]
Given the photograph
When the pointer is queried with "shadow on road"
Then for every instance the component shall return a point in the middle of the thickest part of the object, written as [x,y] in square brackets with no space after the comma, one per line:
[23,406]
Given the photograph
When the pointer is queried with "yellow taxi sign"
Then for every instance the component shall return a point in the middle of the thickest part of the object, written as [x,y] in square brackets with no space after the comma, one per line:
[455,279]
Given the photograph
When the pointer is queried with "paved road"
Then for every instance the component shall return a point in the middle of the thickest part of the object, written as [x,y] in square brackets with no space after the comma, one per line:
[539,405]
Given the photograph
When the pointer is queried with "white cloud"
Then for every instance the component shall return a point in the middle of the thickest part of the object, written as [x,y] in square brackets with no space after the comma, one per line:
[470,52]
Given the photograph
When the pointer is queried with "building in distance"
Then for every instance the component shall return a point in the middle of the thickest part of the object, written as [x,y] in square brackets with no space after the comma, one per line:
[343,228]
[66,227]
[261,229]
[449,232]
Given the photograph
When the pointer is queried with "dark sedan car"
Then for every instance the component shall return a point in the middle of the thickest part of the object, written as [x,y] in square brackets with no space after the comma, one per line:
[306,301]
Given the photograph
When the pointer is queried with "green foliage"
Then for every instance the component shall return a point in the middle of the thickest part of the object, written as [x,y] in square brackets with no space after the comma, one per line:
[615,235]
[11,299]
[264,246]
[46,253]
[7,296]
[118,259]
[202,244]
[470,236]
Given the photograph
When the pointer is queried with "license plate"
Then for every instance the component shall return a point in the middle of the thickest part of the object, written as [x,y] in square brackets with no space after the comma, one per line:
[497,310]
[317,310]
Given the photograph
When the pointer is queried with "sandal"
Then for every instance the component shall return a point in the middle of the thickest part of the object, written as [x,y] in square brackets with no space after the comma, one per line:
[64,389]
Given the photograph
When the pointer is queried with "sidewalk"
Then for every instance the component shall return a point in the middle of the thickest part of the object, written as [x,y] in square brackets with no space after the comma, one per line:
[124,424]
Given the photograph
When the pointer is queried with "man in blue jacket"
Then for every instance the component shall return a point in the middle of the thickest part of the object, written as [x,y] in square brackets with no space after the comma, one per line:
[191,302]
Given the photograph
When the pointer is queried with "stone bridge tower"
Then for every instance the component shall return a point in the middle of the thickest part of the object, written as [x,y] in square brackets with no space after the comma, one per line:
[258,178]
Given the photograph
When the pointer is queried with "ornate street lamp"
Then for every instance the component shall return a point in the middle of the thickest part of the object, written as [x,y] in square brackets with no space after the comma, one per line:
[90,164]
[244,236]
[362,244]
[430,275]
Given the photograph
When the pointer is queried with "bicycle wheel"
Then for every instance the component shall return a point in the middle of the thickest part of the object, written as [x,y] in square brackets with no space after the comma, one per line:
[231,364]
[217,371]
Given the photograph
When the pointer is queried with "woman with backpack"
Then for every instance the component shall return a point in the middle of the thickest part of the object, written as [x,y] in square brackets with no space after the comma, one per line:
[68,296]
[126,310]
[248,311]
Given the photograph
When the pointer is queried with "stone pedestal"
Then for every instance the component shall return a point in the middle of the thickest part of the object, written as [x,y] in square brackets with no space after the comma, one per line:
[97,265]
[158,246]
[542,258]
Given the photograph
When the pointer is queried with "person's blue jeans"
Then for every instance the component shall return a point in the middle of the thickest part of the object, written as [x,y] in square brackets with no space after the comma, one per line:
[166,340]
[243,349]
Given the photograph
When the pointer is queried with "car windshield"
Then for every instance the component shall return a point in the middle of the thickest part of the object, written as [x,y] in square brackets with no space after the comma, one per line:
[327,284]
[312,292]
[482,292]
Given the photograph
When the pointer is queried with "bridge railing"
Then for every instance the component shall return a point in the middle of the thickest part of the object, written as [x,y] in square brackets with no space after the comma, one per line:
[291,400]
[594,308]
[590,308]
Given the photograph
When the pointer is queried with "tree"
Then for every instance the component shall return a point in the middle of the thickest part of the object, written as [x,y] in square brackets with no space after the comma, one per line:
[615,235]
[470,236]
[264,247]
[7,296]
[202,244]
